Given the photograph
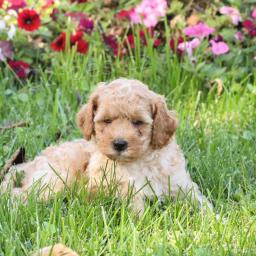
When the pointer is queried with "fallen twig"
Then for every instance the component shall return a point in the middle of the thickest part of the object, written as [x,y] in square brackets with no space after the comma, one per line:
[17,158]
[14,125]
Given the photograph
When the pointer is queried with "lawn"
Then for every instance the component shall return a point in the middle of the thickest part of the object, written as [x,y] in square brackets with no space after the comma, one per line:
[217,132]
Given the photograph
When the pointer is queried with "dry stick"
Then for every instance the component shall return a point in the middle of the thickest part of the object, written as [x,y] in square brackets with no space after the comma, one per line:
[14,125]
[17,158]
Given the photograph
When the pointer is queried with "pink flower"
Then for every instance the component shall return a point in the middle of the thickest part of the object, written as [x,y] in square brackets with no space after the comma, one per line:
[47,4]
[134,16]
[6,50]
[189,46]
[219,48]
[200,30]
[232,12]
[17,4]
[239,36]
[254,13]
[148,12]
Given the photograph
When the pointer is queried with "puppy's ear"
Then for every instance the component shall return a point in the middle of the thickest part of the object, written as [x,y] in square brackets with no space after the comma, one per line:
[85,115]
[164,124]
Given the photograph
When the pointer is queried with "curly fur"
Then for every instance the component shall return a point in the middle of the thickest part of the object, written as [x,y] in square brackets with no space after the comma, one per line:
[123,109]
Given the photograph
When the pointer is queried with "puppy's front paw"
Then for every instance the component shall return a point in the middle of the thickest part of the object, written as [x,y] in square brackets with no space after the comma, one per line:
[137,205]
[55,250]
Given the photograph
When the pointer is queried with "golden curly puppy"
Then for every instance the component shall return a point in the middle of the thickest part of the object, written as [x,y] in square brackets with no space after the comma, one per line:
[128,129]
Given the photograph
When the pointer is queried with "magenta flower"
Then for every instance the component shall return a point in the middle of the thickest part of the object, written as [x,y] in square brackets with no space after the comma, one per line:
[17,4]
[84,23]
[189,46]
[200,30]
[250,27]
[219,48]
[232,12]
[148,12]
[21,68]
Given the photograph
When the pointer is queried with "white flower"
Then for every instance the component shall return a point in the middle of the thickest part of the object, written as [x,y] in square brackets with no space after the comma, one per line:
[2,58]
[12,13]
[189,46]
[11,33]
[2,25]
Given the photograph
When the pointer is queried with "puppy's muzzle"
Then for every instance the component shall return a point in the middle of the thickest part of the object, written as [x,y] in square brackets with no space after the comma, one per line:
[120,145]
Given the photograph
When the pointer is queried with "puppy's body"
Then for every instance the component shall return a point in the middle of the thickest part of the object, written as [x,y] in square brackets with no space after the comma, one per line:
[54,167]
[158,173]
[129,132]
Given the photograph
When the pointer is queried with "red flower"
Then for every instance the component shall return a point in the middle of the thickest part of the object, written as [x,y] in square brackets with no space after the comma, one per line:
[123,14]
[54,14]
[111,41]
[143,38]
[82,46]
[29,20]
[130,42]
[1,3]
[21,68]
[130,39]
[59,44]
[174,44]
[250,26]
[76,37]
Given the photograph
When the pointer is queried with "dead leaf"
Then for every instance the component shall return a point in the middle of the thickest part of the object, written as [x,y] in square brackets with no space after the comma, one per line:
[193,19]
[177,19]
[220,86]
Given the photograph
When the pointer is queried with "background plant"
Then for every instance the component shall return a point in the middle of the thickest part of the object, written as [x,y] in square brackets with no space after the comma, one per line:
[213,95]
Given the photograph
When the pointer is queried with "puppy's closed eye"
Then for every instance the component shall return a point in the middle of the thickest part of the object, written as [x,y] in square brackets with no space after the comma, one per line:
[137,122]
[107,121]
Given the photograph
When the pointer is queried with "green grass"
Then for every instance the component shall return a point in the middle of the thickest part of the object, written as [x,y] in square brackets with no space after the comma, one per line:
[217,135]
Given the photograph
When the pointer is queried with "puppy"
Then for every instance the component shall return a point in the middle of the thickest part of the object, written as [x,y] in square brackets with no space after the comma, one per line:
[129,132]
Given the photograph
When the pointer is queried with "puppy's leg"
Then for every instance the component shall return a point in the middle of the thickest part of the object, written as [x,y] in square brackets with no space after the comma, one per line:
[181,183]
[56,250]
[36,174]
[12,181]
[137,204]
[137,198]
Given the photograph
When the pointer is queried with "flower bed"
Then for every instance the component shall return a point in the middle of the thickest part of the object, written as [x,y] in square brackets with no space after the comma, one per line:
[221,38]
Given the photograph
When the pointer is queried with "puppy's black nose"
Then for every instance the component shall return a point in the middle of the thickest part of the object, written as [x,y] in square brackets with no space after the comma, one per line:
[120,145]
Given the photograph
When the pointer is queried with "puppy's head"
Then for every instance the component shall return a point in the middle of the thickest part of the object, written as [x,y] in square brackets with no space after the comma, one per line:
[126,120]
